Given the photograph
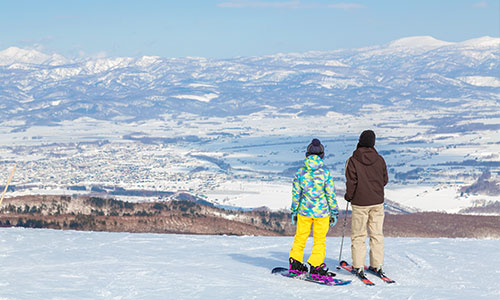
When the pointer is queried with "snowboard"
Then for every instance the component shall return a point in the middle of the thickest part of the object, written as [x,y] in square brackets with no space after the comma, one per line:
[307,277]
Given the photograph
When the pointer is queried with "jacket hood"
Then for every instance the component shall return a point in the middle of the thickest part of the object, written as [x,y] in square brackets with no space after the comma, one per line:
[366,156]
[313,162]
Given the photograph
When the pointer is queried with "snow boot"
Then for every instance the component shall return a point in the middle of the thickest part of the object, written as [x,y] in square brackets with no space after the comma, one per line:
[321,273]
[296,267]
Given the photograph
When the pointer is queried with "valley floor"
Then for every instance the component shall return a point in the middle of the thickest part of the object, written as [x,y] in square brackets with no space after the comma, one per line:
[52,264]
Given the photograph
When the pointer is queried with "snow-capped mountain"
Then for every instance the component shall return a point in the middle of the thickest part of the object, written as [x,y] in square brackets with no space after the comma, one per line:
[21,58]
[414,72]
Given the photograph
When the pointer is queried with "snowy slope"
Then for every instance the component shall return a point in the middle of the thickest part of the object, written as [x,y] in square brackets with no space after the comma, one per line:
[47,264]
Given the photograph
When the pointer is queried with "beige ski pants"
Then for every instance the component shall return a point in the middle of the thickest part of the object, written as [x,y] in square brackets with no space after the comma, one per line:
[373,216]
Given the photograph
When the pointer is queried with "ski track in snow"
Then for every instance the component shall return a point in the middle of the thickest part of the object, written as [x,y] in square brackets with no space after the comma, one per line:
[50,264]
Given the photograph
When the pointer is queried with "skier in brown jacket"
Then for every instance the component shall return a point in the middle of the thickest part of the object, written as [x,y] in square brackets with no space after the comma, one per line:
[366,176]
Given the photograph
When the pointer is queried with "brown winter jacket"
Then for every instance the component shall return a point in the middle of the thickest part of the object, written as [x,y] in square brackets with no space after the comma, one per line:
[366,176]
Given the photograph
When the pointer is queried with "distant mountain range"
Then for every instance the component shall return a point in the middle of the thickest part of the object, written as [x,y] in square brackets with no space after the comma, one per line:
[412,73]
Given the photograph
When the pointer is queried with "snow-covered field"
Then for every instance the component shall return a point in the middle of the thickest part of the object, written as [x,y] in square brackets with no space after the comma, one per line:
[48,264]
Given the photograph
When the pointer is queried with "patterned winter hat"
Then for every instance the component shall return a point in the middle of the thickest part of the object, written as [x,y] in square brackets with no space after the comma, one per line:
[315,148]
[367,139]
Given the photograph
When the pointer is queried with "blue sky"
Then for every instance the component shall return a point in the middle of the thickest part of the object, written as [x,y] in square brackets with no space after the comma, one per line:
[230,28]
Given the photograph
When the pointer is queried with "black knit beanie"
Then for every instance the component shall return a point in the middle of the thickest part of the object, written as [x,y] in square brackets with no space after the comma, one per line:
[367,139]
[315,148]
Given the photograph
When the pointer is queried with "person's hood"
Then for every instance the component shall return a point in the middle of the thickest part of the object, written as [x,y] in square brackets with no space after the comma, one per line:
[366,155]
[313,162]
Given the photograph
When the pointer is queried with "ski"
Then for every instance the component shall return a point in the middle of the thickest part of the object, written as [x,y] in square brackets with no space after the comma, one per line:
[307,277]
[381,276]
[349,268]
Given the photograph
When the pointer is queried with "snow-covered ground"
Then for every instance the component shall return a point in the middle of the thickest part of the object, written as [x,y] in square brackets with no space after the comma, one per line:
[48,264]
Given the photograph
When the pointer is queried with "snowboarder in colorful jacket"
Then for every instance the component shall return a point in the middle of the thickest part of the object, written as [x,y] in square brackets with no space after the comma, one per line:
[313,204]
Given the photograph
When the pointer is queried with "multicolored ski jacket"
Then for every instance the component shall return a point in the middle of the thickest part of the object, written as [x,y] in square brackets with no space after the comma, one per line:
[313,192]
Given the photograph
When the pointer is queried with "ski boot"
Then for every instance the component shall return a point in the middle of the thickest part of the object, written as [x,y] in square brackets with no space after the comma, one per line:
[360,272]
[361,275]
[377,271]
[296,267]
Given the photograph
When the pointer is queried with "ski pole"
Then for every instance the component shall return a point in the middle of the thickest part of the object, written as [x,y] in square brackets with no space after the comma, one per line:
[8,182]
[343,233]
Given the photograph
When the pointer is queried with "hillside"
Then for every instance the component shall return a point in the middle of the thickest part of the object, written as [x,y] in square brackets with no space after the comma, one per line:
[191,217]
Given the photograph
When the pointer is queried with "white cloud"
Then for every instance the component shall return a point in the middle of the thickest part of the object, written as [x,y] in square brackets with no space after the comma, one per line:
[259,4]
[98,55]
[287,4]
[347,6]
[481,4]
[37,43]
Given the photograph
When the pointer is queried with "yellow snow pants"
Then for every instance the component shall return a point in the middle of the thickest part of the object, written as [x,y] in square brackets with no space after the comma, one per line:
[320,229]
[373,216]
